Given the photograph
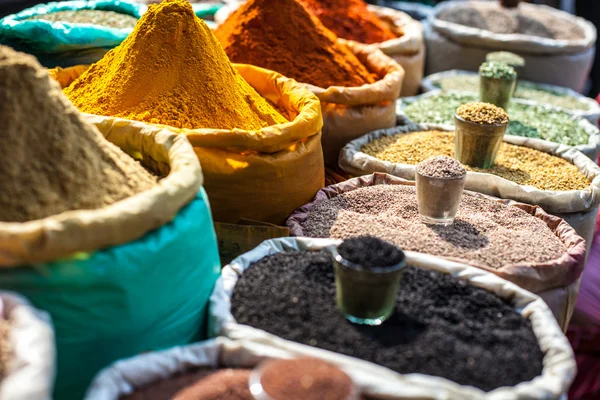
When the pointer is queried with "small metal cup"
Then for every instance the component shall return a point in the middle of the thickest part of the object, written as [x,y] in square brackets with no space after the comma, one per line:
[497,91]
[438,198]
[475,144]
[366,295]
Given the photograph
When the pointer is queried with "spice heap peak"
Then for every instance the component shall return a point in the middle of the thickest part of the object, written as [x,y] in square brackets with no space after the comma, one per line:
[171,70]
[284,36]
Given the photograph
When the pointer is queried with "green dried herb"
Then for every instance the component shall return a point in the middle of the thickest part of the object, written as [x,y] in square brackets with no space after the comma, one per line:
[494,70]
[525,120]
[506,57]
[525,90]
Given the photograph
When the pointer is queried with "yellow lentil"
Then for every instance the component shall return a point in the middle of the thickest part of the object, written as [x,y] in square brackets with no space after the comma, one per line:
[522,165]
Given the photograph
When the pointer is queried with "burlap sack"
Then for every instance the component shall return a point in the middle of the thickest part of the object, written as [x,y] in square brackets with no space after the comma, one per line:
[558,62]
[431,83]
[260,175]
[590,149]
[560,273]
[62,235]
[408,50]
[31,358]
[578,207]
[381,383]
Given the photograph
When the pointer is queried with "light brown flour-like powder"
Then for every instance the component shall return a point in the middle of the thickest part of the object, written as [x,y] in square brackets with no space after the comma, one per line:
[51,159]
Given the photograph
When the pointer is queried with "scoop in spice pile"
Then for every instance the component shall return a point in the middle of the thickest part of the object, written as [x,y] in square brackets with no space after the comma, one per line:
[497,70]
[520,164]
[351,19]
[285,37]
[441,326]
[482,113]
[441,167]
[53,160]
[171,70]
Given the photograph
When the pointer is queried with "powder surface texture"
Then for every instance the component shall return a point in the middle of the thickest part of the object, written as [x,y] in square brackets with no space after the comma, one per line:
[53,160]
[171,70]
[285,37]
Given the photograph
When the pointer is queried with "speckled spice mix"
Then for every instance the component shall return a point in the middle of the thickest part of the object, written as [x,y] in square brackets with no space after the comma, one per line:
[95,17]
[495,70]
[522,165]
[525,120]
[506,57]
[441,167]
[482,113]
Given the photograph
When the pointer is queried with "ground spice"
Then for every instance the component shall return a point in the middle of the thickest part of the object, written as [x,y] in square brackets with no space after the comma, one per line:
[202,383]
[520,164]
[525,120]
[492,17]
[172,71]
[484,341]
[506,57]
[285,37]
[482,113]
[525,90]
[496,70]
[351,19]
[305,378]
[95,17]
[53,160]
[441,167]
[485,232]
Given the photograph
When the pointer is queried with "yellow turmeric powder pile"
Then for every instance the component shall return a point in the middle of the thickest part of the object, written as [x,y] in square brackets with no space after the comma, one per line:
[171,70]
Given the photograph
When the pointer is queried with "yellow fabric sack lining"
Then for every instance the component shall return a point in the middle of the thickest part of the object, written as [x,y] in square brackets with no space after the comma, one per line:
[260,175]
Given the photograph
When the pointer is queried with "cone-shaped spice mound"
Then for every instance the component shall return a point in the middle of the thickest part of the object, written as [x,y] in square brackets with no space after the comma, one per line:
[171,70]
[52,160]
[285,37]
[351,19]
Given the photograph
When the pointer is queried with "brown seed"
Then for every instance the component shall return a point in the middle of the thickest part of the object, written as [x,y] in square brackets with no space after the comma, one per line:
[441,167]
[482,113]
[520,164]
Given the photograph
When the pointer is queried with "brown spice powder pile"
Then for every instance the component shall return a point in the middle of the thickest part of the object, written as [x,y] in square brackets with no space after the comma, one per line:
[485,233]
[52,160]
[482,113]
[441,167]
[203,383]
[491,17]
[522,165]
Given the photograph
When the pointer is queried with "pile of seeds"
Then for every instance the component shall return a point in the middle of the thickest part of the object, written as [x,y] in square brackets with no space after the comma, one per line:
[490,16]
[484,341]
[370,252]
[525,120]
[485,232]
[95,17]
[525,90]
[495,70]
[482,113]
[6,349]
[522,165]
[203,383]
[305,378]
[506,57]
[441,167]
[55,162]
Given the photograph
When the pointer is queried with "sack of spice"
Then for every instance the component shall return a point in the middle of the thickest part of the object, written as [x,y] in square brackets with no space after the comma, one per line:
[519,242]
[557,178]
[256,133]
[70,32]
[27,353]
[526,119]
[558,47]
[564,99]
[102,244]
[458,332]
[357,84]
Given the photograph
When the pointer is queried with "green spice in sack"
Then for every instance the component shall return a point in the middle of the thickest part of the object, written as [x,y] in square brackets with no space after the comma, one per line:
[95,17]
[525,120]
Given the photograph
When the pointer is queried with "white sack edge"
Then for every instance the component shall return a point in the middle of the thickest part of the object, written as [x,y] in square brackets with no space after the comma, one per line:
[382,383]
